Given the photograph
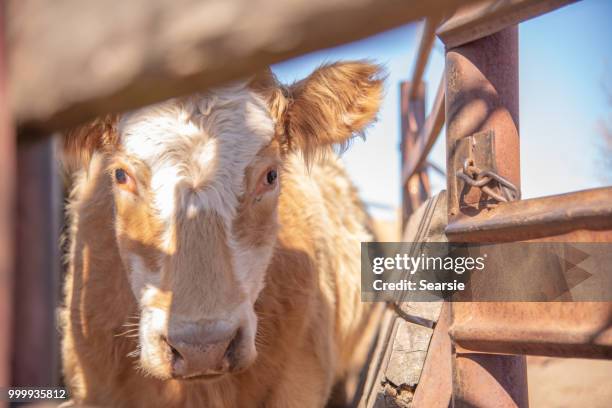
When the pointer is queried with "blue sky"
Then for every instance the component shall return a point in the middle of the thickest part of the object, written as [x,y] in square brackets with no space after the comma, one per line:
[565,60]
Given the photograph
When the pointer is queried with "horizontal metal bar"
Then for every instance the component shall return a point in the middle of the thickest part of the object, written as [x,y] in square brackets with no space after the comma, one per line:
[489,380]
[143,51]
[536,218]
[570,329]
[427,136]
[477,20]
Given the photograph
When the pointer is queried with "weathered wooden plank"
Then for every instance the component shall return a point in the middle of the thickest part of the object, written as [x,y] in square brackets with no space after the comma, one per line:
[408,354]
[71,60]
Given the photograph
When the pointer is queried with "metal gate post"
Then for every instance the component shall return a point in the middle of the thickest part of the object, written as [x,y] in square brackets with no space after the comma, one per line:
[35,342]
[416,189]
[7,208]
[482,95]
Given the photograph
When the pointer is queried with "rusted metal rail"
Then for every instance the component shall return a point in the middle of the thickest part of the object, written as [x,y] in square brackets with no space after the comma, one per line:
[418,133]
[428,37]
[417,156]
[436,384]
[416,188]
[580,329]
[480,19]
[537,218]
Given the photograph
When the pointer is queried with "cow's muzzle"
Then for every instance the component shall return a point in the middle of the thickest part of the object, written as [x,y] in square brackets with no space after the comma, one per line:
[203,350]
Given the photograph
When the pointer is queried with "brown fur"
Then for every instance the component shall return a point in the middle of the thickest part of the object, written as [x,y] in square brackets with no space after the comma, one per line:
[313,330]
[81,142]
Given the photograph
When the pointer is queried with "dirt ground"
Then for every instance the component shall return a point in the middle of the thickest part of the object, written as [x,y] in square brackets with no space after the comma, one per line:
[560,383]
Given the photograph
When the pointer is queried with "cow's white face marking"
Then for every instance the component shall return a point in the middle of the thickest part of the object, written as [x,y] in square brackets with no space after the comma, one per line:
[198,149]
[141,275]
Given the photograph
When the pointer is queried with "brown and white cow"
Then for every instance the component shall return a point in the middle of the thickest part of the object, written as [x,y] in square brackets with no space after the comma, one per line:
[215,251]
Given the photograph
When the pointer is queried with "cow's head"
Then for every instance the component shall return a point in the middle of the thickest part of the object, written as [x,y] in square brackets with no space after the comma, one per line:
[196,183]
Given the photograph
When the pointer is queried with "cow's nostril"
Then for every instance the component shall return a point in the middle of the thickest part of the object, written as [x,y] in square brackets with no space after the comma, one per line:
[179,365]
[230,354]
[177,361]
[176,356]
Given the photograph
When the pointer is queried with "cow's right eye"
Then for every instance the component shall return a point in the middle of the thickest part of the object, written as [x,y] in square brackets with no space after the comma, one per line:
[267,182]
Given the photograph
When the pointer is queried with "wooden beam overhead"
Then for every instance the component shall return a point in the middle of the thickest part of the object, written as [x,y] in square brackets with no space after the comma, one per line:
[72,60]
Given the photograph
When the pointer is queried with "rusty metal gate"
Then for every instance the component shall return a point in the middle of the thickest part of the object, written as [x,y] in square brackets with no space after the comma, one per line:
[478,98]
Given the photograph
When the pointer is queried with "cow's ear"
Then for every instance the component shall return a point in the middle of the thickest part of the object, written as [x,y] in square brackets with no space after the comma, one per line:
[331,105]
[266,85]
[80,143]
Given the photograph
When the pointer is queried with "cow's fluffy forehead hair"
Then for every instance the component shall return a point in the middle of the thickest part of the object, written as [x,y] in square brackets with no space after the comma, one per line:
[197,148]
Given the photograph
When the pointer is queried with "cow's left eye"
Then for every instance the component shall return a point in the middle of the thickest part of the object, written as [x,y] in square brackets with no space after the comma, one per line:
[123,180]
[121,176]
